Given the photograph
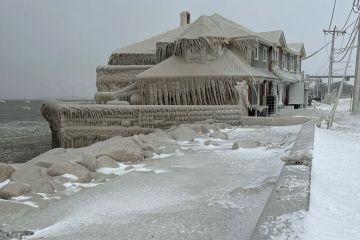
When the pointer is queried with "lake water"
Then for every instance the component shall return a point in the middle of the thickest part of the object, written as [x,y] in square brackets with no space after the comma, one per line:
[24,133]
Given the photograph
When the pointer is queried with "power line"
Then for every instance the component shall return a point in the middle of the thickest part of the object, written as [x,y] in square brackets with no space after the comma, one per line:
[352,44]
[348,18]
[348,48]
[329,41]
[332,15]
[350,37]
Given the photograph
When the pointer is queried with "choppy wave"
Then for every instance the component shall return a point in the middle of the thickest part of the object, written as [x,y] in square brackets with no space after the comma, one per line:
[23,129]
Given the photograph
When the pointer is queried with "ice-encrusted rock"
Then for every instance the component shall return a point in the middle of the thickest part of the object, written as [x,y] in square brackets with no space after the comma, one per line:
[222,125]
[48,160]
[219,135]
[26,173]
[106,162]
[42,186]
[146,142]
[246,144]
[161,139]
[211,142]
[87,161]
[119,148]
[158,133]
[5,171]
[183,133]
[81,172]
[58,187]
[33,176]
[149,154]
[14,189]
[198,127]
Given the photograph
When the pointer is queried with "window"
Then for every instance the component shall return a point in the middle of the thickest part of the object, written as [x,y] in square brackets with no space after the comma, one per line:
[265,49]
[256,53]
[284,60]
[275,54]
[298,63]
[292,60]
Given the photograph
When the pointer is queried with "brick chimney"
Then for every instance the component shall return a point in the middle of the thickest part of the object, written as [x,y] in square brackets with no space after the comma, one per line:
[184,18]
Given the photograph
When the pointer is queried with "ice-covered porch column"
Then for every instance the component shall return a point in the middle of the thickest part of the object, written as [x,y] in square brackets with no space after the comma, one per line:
[258,95]
[281,89]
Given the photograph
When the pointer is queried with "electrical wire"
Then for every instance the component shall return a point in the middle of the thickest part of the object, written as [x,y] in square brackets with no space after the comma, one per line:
[332,15]
[319,50]
[350,48]
[348,18]
[349,40]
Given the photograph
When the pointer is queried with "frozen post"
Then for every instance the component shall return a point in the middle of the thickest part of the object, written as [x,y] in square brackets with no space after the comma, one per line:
[356,99]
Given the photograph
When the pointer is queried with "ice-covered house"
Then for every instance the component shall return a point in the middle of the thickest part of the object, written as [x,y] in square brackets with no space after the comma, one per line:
[210,69]
[266,59]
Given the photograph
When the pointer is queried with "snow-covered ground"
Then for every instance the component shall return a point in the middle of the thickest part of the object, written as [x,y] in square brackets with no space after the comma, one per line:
[202,191]
[198,191]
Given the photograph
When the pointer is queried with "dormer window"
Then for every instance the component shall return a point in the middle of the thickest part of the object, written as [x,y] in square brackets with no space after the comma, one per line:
[265,52]
[256,53]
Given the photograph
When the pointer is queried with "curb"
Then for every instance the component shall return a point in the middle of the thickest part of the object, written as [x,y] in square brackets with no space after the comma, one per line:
[292,191]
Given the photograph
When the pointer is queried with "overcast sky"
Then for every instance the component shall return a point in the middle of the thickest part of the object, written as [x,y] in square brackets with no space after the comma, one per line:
[50,49]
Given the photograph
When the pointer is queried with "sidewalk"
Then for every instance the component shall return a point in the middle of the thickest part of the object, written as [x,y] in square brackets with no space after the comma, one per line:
[335,186]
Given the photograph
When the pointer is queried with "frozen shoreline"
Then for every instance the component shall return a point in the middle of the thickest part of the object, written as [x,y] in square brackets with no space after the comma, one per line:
[184,159]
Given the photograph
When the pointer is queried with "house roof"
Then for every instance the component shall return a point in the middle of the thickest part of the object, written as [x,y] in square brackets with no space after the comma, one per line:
[229,64]
[216,25]
[276,37]
[298,48]
[204,26]
[232,29]
[287,76]
[148,46]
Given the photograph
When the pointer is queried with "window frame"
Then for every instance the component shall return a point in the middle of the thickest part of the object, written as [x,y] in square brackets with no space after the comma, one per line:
[284,60]
[256,53]
[292,59]
[265,54]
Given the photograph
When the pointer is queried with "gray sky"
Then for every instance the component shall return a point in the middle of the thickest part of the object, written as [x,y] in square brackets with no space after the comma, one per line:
[50,49]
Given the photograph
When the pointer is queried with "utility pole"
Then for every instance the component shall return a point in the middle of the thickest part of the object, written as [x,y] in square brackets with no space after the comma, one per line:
[334,33]
[356,97]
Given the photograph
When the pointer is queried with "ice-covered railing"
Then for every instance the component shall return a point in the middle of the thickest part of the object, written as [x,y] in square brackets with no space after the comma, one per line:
[111,78]
[78,125]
